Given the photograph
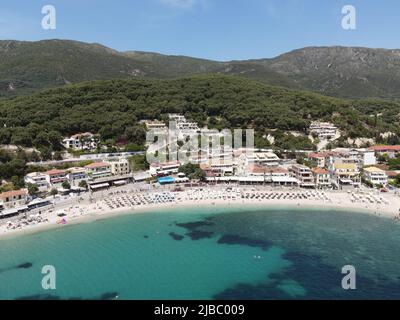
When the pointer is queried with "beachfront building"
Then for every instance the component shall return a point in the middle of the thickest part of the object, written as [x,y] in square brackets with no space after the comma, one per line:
[376,176]
[323,130]
[345,174]
[265,159]
[281,177]
[164,169]
[56,177]
[220,168]
[120,166]
[98,170]
[391,151]
[303,174]
[14,199]
[322,178]
[76,175]
[38,179]
[81,141]
[276,176]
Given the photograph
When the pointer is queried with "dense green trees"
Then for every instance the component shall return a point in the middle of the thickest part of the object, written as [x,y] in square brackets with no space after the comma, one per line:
[13,167]
[114,109]
[193,171]
[138,163]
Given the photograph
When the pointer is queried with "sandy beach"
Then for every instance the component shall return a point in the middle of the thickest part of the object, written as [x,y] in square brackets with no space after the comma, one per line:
[128,200]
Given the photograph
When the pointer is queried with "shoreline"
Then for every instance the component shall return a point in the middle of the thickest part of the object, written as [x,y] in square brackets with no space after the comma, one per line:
[96,212]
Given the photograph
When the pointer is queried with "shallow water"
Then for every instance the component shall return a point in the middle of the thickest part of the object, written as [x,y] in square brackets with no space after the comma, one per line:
[208,253]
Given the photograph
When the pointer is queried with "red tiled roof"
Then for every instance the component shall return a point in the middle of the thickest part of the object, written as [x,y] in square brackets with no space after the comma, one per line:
[278,170]
[323,154]
[14,193]
[316,155]
[392,174]
[385,148]
[173,163]
[257,169]
[97,165]
[320,171]
[55,172]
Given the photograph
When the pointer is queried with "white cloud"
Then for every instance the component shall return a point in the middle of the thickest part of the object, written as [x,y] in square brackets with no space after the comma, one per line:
[181,3]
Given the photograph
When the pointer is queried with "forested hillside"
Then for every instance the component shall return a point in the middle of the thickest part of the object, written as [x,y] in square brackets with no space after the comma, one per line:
[114,108]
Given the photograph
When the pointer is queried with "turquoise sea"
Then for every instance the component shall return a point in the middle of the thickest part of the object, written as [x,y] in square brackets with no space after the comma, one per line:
[208,253]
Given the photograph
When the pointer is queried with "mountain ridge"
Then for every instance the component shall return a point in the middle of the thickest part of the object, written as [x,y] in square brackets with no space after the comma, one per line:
[348,72]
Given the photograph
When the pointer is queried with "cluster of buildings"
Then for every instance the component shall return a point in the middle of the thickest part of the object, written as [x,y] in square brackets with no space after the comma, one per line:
[335,169]
[327,169]
[18,201]
[184,126]
[324,130]
[86,141]
[55,178]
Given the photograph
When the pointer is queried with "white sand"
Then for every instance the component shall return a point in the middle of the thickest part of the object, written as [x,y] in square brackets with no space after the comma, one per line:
[209,196]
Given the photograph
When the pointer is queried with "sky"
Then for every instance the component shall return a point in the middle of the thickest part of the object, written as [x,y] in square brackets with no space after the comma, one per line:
[212,29]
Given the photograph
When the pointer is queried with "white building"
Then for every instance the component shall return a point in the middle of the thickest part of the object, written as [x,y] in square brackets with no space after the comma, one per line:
[56,177]
[120,166]
[267,159]
[163,169]
[38,179]
[322,178]
[219,168]
[184,127]
[324,130]
[345,174]
[304,175]
[375,176]
[368,157]
[359,157]
[81,141]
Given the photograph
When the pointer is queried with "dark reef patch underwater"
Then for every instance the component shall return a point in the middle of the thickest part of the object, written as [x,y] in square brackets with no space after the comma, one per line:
[312,271]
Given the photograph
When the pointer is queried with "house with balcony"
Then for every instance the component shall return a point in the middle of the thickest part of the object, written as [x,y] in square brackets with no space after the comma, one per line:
[56,177]
[303,174]
[345,174]
[38,179]
[324,130]
[81,141]
[120,166]
[76,175]
[322,178]
[375,176]
[266,159]
[220,168]
[14,199]
[98,170]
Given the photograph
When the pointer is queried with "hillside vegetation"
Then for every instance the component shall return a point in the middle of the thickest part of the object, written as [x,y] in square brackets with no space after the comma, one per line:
[114,108]
[348,72]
